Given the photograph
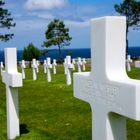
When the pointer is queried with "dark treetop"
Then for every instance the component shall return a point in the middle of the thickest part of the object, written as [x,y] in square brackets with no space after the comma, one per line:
[5,22]
[57,35]
[130,9]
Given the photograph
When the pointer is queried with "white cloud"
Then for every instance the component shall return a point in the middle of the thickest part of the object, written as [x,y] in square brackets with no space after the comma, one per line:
[30,25]
[77,24]
[42,15]
[45,4]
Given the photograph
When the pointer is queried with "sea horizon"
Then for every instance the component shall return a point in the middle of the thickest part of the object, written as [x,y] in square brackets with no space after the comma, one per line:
[53,53]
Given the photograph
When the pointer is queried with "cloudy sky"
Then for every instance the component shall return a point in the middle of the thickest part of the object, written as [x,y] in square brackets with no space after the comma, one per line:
[33,16]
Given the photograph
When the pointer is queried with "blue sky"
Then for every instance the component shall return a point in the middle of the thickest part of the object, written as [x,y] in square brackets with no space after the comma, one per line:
[33,16]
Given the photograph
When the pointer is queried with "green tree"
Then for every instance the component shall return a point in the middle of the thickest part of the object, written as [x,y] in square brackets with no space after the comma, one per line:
[5,22]
[57,35]
[130,9]
[31,52]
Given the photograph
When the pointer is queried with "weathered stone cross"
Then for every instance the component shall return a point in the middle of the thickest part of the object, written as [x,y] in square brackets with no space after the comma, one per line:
[110,92]
[12,80]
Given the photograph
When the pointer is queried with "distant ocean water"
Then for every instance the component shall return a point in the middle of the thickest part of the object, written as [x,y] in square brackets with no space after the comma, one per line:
[84,53]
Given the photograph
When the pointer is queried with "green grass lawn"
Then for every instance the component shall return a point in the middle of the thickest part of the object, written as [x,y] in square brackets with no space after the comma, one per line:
[48,111]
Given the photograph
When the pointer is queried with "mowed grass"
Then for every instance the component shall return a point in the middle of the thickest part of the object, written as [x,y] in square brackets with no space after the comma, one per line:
[48,111]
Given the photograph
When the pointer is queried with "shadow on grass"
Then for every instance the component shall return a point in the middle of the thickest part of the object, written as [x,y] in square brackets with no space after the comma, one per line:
[23,129]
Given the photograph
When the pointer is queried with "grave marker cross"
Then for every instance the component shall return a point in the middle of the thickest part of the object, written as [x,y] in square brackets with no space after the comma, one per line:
[37,66]
[45,65]
[1,66]
[84,64]
[128,62]
[68,66]
[23,66]
[34,67]
[12,80]
[137,64]
[79,64]
[54,66]
[73,62]
[49,66]
[110,92]
[65,67]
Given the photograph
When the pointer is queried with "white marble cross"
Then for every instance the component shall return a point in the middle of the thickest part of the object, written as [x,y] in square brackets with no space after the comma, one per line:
[65,68]
[128,62]
[68,66]
[34,67]
[84,64]
[45,66]
[49,66]
[79,64]
[37,66]
[54,64]
[12,80]
[110,92]
[23,66]
[73,62]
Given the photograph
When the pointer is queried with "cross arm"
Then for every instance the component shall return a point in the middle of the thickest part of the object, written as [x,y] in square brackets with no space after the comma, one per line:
[49,66]
[12,79]
[82,86]
[126,98]
[70,65]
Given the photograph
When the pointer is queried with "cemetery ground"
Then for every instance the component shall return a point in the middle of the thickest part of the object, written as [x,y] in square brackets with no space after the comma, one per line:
[49,111]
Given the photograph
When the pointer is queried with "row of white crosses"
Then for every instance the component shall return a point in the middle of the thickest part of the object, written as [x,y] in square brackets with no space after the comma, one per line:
[35,68]
[80,63]
[48,66]
[68,65]
[113,96]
